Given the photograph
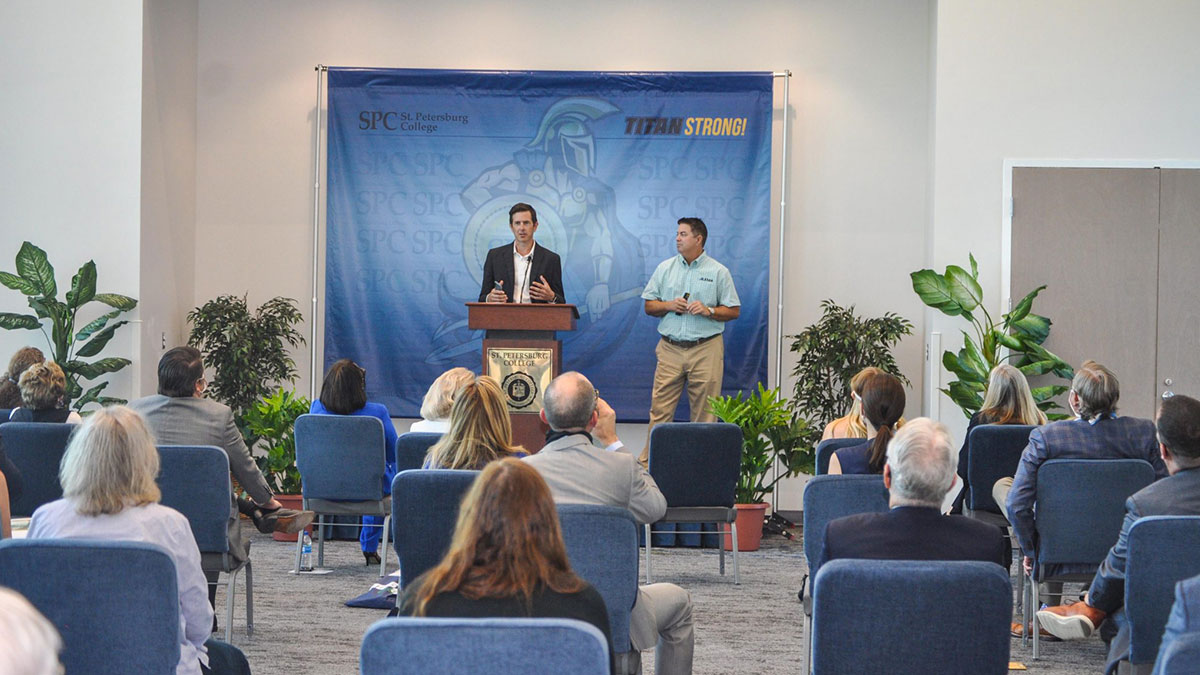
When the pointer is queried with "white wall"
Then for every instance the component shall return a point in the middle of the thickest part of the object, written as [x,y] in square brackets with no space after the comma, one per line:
[858,175]
[168,232]
[1071,79]
[71,143]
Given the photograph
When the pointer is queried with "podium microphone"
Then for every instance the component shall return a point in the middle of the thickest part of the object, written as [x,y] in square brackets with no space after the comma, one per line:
[685,297]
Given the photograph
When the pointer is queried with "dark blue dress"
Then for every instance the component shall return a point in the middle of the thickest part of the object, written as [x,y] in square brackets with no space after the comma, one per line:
[856,458]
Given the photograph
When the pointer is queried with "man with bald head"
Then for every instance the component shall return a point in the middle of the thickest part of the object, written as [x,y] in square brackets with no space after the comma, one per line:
[584,462]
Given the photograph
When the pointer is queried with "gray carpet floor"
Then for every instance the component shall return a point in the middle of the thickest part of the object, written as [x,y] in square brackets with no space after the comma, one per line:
[302,625]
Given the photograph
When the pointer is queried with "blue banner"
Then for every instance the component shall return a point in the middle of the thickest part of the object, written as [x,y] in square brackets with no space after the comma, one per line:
[424,165]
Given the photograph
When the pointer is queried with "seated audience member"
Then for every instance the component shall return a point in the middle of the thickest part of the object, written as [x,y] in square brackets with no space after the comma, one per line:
[1184,618]
[507,557]
[480,430]
[882,405]
[435,408]
[1095,433]
[109,493]
[10,390]
[1178,427]
[43,386]
[1007,401]
[29,643]
[918,474]
[180,415]
[344,392]
[579,472]
[851,424]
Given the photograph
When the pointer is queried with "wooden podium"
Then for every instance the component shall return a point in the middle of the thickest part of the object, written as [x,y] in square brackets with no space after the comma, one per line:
[521,350]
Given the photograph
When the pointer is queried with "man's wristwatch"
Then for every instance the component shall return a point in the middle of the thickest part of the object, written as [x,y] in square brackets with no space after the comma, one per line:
[711,312]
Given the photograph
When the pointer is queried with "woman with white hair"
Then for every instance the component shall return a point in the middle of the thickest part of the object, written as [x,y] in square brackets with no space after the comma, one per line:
[29,643]
[109,492]
[435,408]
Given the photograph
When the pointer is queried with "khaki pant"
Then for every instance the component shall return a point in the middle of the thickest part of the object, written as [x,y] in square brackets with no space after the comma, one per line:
[661,619]
[701,367]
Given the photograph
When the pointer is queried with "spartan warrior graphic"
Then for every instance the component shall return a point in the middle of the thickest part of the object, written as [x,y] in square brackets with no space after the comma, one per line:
[602,262]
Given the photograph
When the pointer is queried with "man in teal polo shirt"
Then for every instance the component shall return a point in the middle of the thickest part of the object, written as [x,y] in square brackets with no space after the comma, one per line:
[694,296]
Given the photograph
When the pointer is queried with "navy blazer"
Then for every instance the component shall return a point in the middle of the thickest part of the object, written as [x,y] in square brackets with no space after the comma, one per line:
[914,533]
[1108,438]
[499,267]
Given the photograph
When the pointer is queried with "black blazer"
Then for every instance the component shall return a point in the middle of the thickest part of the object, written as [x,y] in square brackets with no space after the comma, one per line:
[914,533]
[499,267]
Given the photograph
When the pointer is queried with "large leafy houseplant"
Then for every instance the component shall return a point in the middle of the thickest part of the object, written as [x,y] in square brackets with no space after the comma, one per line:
[832,350]
[247,351]
[272,421]
[770,434]
[35,279]
[1017,337]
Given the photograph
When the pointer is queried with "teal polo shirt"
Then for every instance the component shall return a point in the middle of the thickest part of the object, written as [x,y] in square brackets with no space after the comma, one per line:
[705,280]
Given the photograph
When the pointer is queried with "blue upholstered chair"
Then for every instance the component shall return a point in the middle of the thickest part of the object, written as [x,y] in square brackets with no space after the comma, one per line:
[912,626]
[1182,625]
[602,547]
[411,449]
[194,481]
[342,460]
[993,452]
[36,449]
[1080,507]
[1180,657]
[696,467]
[826,448]
[827,498]
[404,646]
[1163,550]
[425,509]
[115,604]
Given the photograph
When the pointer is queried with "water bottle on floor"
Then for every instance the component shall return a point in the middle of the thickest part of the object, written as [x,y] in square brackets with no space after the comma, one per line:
[306,554]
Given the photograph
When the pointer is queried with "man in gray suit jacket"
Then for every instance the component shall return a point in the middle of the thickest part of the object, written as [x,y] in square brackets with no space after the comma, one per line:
[579,472]
[1178,495]
[180,415]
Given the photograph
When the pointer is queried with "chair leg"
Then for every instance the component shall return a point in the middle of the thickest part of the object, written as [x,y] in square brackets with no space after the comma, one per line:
[721,553]
[737,573]
[299,550]
[229,598]
[808,636]
[648,533]
[1025,612]
[383,545]
[249,600]
[321,542]
[1035,600]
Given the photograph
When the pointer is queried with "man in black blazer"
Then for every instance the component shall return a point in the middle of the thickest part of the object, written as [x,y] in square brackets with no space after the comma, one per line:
[920,470]
[1178,427]
[523,271]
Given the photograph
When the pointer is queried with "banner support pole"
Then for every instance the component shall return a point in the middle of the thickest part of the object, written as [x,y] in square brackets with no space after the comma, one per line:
[787,80]
[316,231]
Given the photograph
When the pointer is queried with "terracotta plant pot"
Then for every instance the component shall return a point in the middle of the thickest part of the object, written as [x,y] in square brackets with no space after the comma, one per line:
[749,526]
[296,502]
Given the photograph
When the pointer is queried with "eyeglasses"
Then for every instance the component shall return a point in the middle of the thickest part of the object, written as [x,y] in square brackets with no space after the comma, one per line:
[596,396]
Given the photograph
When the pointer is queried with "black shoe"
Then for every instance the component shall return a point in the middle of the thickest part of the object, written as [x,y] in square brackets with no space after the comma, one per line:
[372,558]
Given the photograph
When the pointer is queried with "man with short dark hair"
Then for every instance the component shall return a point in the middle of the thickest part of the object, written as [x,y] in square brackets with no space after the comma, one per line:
[1178,427]
[180,415]
[693,296]
[1095,433]
[524,271]
[920,470]
[579,472]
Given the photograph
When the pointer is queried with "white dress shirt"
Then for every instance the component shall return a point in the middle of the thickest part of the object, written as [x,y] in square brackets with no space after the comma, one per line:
[522,269]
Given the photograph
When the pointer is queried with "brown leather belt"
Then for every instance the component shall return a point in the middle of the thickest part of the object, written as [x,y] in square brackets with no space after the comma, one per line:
[688,344]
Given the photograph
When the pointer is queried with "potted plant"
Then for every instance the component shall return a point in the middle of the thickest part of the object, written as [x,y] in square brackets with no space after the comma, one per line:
[1017,336]
[770,434]
[35,279]
[831,351]
[272,421]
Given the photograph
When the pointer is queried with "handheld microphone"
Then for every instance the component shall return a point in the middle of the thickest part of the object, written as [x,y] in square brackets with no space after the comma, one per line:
[685,297]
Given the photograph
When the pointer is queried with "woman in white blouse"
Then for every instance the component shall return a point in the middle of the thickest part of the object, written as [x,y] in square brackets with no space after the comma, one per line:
[109,492]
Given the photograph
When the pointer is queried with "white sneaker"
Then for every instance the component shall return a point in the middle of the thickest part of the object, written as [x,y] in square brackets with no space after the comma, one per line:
[1066,626]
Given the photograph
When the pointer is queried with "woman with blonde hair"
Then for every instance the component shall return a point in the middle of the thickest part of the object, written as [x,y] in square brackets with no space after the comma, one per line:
[435,408]
[507,557]
[10,390]
[43,388]
[479,432]
[109,492]
[1007,400]
[851,425]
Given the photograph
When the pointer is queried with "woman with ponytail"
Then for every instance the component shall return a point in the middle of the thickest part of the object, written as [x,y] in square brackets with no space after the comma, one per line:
[882,408]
